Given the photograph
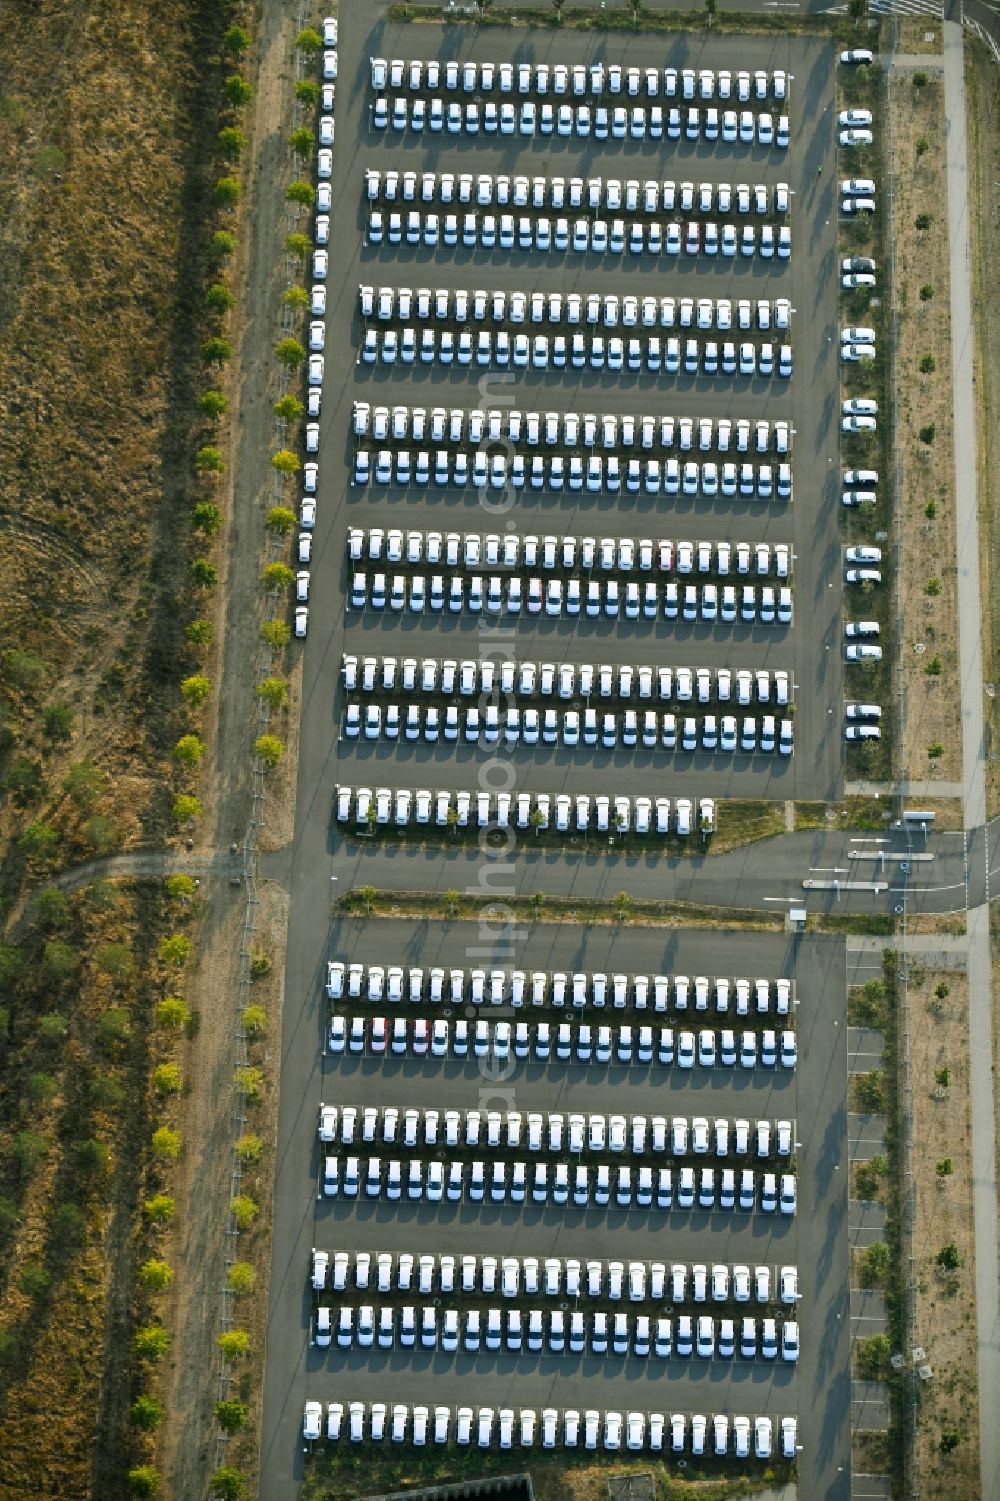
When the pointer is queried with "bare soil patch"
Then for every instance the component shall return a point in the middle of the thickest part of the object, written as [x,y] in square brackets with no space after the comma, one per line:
[942,1169]
[919,35]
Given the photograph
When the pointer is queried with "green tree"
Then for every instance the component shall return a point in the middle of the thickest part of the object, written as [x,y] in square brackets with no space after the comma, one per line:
[228,1483]
[146,1413]
[301,192]
[309,42]
[91,1157]
[231,1414]
[67,1226]
[367,896]
[935,750]
[115,959]
[53,1028]
[208,460]
[181,887]
[302,141]
[242,1278]
[275,632]
[166,1078]
[144,1480]
[237,40]
[175,949]
[57,723]
[29,1150]
[214,404]
[923,221]
[231,142]
[172,1012]
[83,783]
[151,1342]
[250,1080]
[944,1168]
[307,91]
[25,669]
[919,79]
[923,145]
[195,690]
[871,1091]
[166,1144]
[156,1276]
[249,1147]
[933,668]
[216,351]
[105,1092]
[206,517]
[9,1216]
[254,1020]
[298,244]
[219,298]
[41,1088]
[928,364]
[277,576]
[199,632]
[59,960]
[274,692]
[286,462]
[237,90]
[244,1210]
[189,750]
[35,1281]
[25,782]
[873,1356]
[290,353]
[289,408]
[270,750]
[186,808]
[280,521]
[204,573]
[296,298]
[926,292]
[876,1263]
[159,1209]
[102,896]
[223,243]
[942,1077]
[932,587]
[233,1343]
[452,902]
[949,1440]
[52,906]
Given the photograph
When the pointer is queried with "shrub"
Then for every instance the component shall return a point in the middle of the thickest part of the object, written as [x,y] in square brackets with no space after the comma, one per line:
[83,783]
[254,1020]
[875,1264]
[41,1088]
[99,833]
[223,243]
[159,1209]
[932,587]
[949,1441]
[919,79]
[942,1077]
[943,990]
[923,145]
[34,1280]
[871,1091]
[209,460]
[28,1150]
[59,960]
[52,1027]
[935,750]
[944,1168]
[57,723]
[228,1483]
[39,840]
[114,1028]
[52,906]
[152,1342]
[199,632]
[933,668]
[873,1356]
[181,886]
[25,669]
[923,221]
[926,292]
[948,1258]
[928,364]
[166,1144]
[144,1480]
[926,434]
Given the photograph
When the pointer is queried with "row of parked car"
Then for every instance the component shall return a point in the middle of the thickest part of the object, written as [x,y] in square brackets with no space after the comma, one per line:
[552,553]
[560,78]
[518,987]
[653,195]
[602,1186]
[569,429]
[554,1276]
[606,309]
[652,355]
[597,474]
[569,1429]
[628,729]
[597,598]
[500,1041]
[471,678]
[553,1332]
[643,815]
[553,1131]
[618,122]
[584,236]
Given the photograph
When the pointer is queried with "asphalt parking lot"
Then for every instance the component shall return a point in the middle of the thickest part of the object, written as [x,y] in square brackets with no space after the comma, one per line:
[815,1239]
[809,648]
